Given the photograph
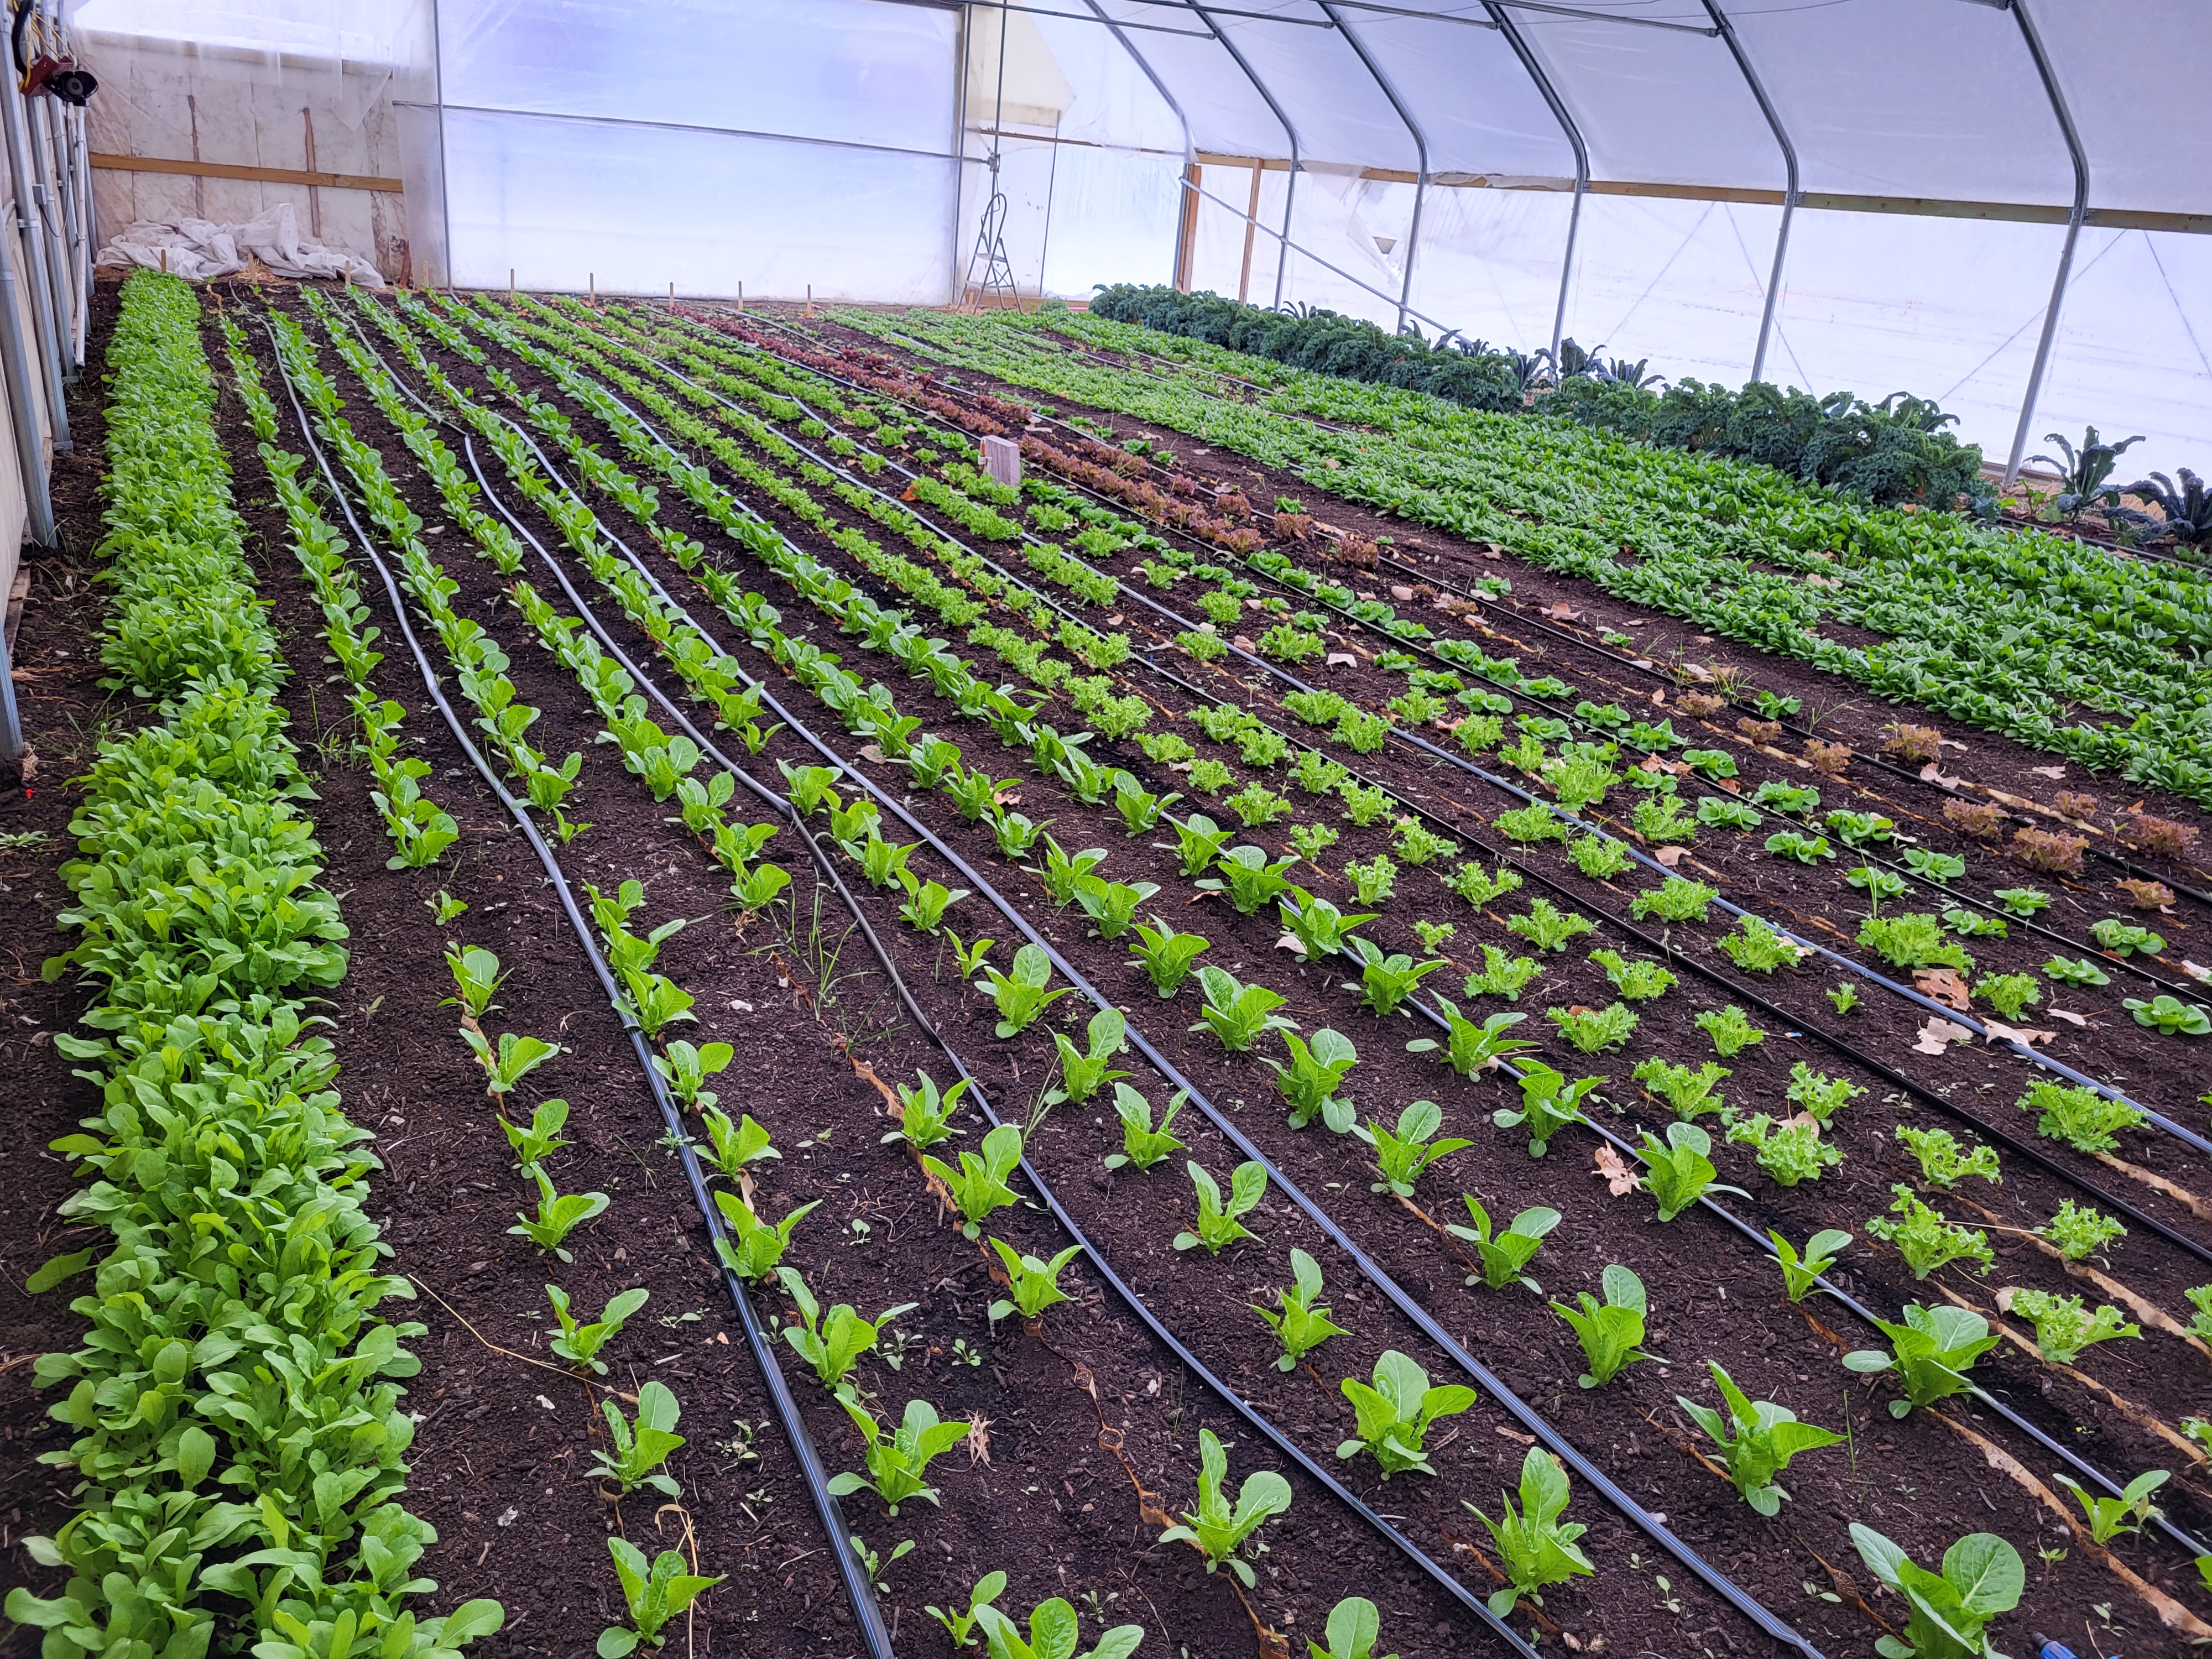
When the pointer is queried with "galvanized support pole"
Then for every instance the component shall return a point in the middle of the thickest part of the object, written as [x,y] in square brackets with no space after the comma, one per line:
[2081,160]
[1420,149]
[65,173]
[43,190]
[1290,188]
[29,217]
[22,397]
[64,235]
[955,274]
[1507,27]
[1790,190]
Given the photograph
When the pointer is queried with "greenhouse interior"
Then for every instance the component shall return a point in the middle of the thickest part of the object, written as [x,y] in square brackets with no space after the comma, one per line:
[513,514]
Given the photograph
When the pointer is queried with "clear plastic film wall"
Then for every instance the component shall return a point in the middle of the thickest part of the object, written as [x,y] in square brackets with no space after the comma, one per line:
[1863,195]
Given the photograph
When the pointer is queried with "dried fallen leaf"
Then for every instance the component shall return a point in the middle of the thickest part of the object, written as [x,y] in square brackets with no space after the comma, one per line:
[2066,1014]
[1563,611]
[1291,942]
[978,1440]
[869,752]
[2004,1295]
[2203,976]
[1620,1179]
[1944,985]
[2054,772]
[1513,1434]
[1932,774]
[1242,643]
[1341,659]
[1401,592]
[1938,1035]
[1670,856]
[2000,1032]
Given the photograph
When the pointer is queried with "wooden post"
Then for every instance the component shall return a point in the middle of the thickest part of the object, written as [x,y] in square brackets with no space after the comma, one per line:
[671,297]
[1187,227]
[741,297]
[809,299]
[510,285]
[1251,229]
[592,278]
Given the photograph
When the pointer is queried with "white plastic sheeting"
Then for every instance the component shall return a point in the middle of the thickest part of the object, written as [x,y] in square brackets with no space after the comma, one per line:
[841,146]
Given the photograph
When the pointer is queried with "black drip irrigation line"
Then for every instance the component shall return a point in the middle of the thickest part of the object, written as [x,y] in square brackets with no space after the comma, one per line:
[1555,1442]
[851,1572]
[2098,853]
[1320,1475]
[1758,1239]
[1848,1051]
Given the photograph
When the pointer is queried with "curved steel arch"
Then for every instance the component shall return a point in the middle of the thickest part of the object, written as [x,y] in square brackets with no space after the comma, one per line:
[1790,193]
[2080,157]
[1507,27]
[1420,147]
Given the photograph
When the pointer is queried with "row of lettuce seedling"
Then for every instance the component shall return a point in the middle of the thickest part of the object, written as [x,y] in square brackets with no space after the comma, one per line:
[241,1442]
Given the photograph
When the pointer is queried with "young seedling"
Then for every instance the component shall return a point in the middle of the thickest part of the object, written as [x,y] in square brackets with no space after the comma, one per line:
[1501,976]
[1478,886]
[1199,842]
[1218,1526]
[924,1115]
[1944,1162]
[1167,955]
[655,1595]
[1354,1627]
[580,1344]
[1690,1094]
[2075,971]
[640,1447]
[1925,1240]
[1373,881]
[1537,1548]
[1946,1613]
[832,1345]
[1930,1353]
[1400,1157]
[1054,1634]
[1790,1152]
[1469,1047]
[1308,1083]
[559,1215]
[1732,1033]
[1217,1226]
[1548,1103]
[1112,905]
[1594,1029]
[1142,1145]
[1679,1170]
[1248,879]
[514,1059]
[1303,1325]
[979,1186]
[1609,1331]
[1678,899]
[1021,996]
[1064,872]
[475,977]
[534,1144]
[1319,926]
[2082,1118]
[1238,1014]
[2109,1517]
[2010,995]
[1140,808]
[1819,1096]
[738,1147]
[897,1463]
[1083,1070]
[2063,1328]
[759,1245]
[1547,927]
[1505,1256]
[926,902]
[2079,1232]
[1636,981]
[1758,949]
[1033,1285]
[960,1622]
[687,1069]
[1754,1442]
[1799,1274]
[1394,1413]
[1387,981]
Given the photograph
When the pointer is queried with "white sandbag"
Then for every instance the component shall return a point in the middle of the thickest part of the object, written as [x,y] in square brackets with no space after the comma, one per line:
[199,250]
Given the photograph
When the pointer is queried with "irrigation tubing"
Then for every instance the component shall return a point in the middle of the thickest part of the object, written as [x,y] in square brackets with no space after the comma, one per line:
[2100,854]
[1722,1586]
[2012,1143]
[851,1572]
[828,865]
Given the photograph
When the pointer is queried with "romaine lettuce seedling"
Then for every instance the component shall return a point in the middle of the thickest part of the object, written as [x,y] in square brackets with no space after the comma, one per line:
[1140,808]
[1754,1442]
[540,1139]
[1199,842]
[924,1115]
[1948,1613]
[514,1059]
[979,1186]
[640,1447]
[475,977]
[1548,1103]
[1800,1274]
[1064,872]
[1219,1527]
[1167,955]
[1237,1013]
[1083,1071]
[1218,1227]
[832,1345]
[1021,996]
[1032,1284]
[579,1343]
[1354,1627]
[1248,879]
[1400,1157]
[1387,981]
[897,1463]
[559,1215]
[1394,1413]
[759,1245]
[1679,1170]
[1112,905]
[1469,1047]
[1930,1353]
[688,1067]
[1536,1548]
[1142,1145]
[655,1595]
[926,902]
[1505,1255]
[960,1622]
[1054,1634]
[1319,926]
[1303,1325]
[1308,1083]
[1609,1331]
[2109,1517]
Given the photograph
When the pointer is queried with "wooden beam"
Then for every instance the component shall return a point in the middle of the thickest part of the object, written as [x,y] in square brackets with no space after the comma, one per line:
[1194,177]
[108,163]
